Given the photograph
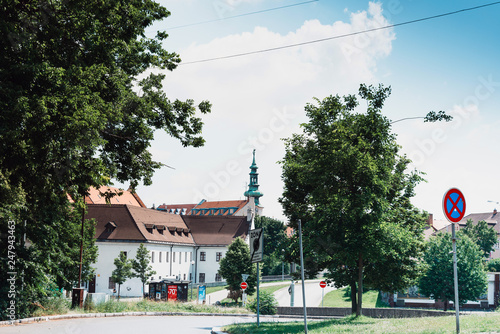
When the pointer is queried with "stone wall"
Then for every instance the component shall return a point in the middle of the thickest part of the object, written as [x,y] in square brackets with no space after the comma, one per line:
[369,312]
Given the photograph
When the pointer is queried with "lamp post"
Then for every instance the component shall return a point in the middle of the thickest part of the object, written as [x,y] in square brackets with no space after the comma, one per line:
[282,264]
[192,273]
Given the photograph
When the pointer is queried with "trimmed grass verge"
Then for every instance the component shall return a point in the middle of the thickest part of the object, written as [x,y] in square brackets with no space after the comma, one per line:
[342,298]
[479,323]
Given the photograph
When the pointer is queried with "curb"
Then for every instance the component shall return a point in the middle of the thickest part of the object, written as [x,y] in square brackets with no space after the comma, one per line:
[122,314]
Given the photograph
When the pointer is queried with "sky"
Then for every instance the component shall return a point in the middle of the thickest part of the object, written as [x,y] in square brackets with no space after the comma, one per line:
[449,63]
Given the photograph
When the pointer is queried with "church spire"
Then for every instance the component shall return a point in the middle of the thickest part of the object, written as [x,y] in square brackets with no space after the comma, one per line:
[253,187]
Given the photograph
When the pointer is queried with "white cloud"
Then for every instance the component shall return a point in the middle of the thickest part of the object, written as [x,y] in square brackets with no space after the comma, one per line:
[258,99]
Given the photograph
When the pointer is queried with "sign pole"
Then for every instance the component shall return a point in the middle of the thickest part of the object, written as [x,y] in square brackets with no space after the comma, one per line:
[258,301]
[302,274]
[455,276]
[454,209]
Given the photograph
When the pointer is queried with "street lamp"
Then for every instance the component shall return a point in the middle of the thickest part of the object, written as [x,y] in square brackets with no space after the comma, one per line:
[282,264]
[192,273]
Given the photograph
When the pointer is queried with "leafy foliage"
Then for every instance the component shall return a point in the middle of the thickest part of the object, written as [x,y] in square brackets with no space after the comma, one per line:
[493,265]
[122,271]
[78,110]
[141,266]
[438,282]
[345,179]
[483,235]
[268,305]
[274,243]
[233,264]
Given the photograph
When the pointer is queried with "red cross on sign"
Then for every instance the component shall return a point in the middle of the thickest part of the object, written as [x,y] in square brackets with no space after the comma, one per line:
[454,205]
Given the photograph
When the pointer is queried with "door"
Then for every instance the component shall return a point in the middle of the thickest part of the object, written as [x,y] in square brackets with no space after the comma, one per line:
[92,285]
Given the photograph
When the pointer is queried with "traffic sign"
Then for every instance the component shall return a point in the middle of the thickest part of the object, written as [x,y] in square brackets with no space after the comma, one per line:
[244,285]
[256,245]
[322,284]
[244,276]
[454,205]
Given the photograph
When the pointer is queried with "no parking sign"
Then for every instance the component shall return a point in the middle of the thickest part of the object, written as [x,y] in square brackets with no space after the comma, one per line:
[454,205]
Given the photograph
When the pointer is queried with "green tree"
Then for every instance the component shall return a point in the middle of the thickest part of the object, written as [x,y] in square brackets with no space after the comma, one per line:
[483,235]
[233,264]
[438,282]
[141,266]
[493,265]
[122,271]
[78,110]
[274,243]
[343,176]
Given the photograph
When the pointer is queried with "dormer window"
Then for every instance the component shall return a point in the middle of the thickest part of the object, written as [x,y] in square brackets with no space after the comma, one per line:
[160,228]
[110,226]
[149,227]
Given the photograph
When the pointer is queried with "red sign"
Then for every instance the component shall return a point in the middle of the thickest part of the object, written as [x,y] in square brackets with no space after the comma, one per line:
[244,285]
[172,292]
[454,205]
[322,284]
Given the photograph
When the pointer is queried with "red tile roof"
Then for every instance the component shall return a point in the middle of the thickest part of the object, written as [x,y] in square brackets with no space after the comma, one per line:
[126,197]
[136,223]
[217,230]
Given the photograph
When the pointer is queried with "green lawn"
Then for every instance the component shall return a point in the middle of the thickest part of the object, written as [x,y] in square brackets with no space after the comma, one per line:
[342,298]
[489,323]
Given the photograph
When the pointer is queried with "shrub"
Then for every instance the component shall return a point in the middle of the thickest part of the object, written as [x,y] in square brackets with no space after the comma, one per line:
[493,265]
[268,304]
[51,306]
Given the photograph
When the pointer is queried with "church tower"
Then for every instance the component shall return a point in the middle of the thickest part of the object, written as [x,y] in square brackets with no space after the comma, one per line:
[253,187]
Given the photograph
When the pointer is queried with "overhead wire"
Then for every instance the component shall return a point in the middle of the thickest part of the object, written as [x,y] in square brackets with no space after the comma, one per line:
[341,36]
[241,15]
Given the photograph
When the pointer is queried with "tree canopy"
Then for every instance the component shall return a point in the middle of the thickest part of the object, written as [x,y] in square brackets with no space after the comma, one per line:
[438,282]
[235,263]
[274,244]
[141,265]
[122,271]
[79,109]
[482,234]
[344,177]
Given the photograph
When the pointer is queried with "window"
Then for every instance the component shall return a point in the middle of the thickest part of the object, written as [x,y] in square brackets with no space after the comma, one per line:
[180,257]
[173,259]
[218,278]
[152,278]
[186,257]
[190,256]
[184,276]
[159,257]
[166,256]
[111,283]
[203,257]
[124,252]
[202,278]
[159,277]
[152,257]
[218,256]
[190,276]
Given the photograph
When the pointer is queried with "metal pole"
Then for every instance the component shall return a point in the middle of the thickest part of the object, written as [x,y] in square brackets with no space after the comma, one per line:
[81,249]
[322,296]
[258,301]
[455,275]
[302,274]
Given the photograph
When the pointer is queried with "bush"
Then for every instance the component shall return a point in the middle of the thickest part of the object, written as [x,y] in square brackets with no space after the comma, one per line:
[268,304]
[493,265]
[51,306]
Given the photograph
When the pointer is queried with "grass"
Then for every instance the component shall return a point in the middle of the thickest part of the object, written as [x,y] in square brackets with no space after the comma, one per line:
[468,324]
[342,298]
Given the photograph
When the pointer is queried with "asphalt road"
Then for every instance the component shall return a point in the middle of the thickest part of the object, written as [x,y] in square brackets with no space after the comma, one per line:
[133,325]
[313,294]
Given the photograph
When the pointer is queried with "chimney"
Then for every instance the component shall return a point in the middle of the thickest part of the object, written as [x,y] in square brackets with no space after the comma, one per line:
[494,212]
[430,220]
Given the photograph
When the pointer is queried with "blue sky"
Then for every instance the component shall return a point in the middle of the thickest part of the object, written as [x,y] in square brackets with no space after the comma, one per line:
[449,63]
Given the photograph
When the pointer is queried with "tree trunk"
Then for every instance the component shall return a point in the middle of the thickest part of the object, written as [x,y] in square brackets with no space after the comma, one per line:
[446,305]
[354,303]
[119,285]
[142,290]
[360,286]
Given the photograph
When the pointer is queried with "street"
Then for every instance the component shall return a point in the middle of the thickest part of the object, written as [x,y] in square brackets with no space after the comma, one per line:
[313,294]
[133,325]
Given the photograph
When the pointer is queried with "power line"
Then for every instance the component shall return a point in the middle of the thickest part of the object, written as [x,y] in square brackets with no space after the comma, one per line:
[340,36]
[240,15]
